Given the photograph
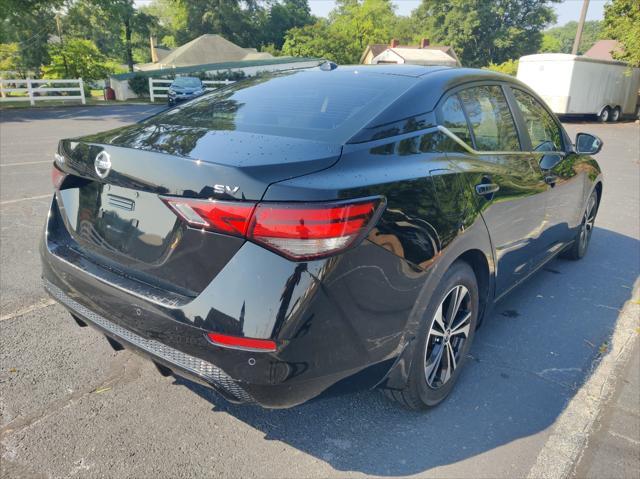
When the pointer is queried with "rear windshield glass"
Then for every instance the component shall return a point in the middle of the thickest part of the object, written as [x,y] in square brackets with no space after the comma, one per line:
[317,105]
[188,82]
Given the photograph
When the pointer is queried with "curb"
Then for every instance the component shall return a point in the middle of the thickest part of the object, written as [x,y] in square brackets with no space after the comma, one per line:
[571,430]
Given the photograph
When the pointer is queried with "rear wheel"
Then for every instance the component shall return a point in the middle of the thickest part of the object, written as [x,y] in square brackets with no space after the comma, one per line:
[444,340]
[615,114]
[604,114]
[581,242]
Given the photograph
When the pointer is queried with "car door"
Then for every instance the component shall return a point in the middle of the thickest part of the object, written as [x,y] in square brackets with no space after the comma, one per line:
[547,142]
[508,182]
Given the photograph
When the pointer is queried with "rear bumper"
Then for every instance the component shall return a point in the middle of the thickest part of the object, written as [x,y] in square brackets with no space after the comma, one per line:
[186,365]
[331,318]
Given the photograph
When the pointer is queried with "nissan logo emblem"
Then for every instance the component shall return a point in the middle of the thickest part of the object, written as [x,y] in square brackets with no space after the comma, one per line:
[102,164]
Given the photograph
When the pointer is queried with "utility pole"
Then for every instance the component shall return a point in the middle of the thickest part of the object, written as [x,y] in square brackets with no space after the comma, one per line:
[64,57]
[583,16]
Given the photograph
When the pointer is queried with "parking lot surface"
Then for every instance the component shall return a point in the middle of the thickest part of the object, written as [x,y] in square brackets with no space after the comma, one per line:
[71,406]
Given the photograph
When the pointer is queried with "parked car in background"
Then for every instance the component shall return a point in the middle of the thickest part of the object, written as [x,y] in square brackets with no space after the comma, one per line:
[287,232]
[183,89]
[582,86]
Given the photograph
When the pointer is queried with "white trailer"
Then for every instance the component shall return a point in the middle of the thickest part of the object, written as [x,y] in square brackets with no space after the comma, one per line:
[579,85]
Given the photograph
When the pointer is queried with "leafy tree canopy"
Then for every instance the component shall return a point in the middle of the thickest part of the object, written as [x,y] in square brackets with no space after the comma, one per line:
[76,58]
[485,31]
[560,39]
[622,23]
[351,26]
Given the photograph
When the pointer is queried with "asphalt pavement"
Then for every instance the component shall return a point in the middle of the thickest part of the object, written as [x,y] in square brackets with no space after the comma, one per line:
[71,406]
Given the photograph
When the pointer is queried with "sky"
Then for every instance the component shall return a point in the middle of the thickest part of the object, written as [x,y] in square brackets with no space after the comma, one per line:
[567,11]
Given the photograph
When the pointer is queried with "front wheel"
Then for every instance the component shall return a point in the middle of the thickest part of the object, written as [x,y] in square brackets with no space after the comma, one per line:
[444,340]
[580,244]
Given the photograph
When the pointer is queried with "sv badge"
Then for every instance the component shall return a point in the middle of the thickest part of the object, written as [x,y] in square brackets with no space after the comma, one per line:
[222,189]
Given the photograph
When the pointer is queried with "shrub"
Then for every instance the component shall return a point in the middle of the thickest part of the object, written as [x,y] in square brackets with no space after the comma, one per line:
[139,85]
[510,67]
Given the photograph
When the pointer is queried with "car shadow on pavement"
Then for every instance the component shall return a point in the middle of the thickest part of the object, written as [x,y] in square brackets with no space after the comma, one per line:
[528,359]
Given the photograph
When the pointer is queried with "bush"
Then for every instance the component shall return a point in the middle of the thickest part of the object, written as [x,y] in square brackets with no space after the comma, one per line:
[510,67]
[139,85]
[228,75]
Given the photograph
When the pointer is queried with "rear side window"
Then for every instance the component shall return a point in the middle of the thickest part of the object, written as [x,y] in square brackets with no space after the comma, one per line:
[491,121]
[454,120]
[543,130]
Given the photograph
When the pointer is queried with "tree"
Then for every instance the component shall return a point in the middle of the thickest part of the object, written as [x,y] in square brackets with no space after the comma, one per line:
[29,23]
[560,39]
[319,41]
[351,26]
[485,31]
[283,16]
[76,58]
[115,26]
[235,20]
[365,21]
[622,23]
[10,58]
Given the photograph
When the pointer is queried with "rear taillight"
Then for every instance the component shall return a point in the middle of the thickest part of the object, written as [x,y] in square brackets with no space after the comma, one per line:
[310,231]
[222,216]
[298,231]
[57,176]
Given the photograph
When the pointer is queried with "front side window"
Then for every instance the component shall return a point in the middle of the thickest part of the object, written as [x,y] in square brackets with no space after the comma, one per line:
[454,120]
[491,121]
[543,130]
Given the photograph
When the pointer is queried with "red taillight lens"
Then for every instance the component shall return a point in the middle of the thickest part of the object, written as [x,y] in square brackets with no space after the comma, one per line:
[57,176]
[247,344]
[222,216]
[298,231]
[311,231]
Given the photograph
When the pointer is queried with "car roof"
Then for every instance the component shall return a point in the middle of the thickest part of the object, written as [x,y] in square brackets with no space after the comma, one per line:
[414,71]
[431,84]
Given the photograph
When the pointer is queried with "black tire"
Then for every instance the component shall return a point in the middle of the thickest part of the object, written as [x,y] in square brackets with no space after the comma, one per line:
[616,114]
[431,382]
[604,115]
[580,244]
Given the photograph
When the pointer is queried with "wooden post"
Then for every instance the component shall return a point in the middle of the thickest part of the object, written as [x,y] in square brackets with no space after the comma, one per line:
[151,97]
[30,90]
[81,83]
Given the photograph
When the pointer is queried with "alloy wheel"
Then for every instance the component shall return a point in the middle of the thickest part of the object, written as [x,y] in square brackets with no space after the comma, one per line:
[449,331]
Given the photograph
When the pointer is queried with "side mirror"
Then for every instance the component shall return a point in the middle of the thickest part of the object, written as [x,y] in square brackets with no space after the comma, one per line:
[587,144]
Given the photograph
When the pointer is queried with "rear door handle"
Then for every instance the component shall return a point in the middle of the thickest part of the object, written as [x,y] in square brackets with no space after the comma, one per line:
[484,189]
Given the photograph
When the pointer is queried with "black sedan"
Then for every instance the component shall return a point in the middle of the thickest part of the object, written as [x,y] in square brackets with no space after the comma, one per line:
[290,231]
[183,89]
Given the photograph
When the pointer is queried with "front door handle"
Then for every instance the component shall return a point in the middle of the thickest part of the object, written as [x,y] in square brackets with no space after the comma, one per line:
[484,189]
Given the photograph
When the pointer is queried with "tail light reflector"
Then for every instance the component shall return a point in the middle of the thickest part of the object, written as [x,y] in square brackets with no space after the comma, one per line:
[246,344]
[298,231]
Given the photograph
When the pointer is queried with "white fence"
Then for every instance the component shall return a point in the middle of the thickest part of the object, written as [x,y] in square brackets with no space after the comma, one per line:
[158,87]
[38,90]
